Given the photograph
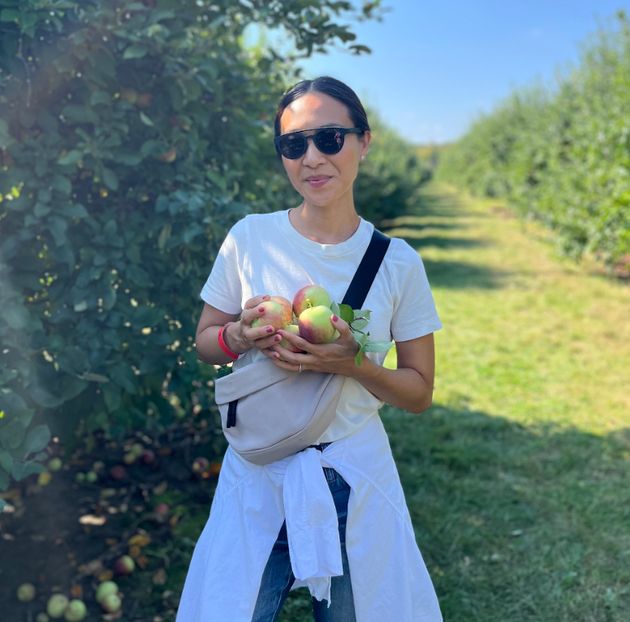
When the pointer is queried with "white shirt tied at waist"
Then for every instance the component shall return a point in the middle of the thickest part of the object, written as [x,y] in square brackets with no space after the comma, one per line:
[389,578]
[312,525]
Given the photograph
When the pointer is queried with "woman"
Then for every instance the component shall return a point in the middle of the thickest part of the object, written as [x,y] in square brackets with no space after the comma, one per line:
[261,538]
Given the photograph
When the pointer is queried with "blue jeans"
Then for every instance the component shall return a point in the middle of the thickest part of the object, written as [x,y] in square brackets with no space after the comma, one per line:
[278,577]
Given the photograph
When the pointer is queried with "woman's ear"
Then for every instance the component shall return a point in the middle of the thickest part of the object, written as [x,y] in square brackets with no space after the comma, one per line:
[365,144]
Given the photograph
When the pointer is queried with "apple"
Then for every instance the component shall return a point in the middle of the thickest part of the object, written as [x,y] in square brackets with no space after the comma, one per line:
[310,296]
[54,464]
[111,603]
[315,325]
[118,472]
[26,592]
[105,589]
[124,565]
[200,465]
[56,606]
[293,329]
[76,611]
[42,617]
[161,512]
[148,456]
[277,312]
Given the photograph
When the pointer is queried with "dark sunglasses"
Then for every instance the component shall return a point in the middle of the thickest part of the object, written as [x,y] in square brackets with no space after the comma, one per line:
[328,140]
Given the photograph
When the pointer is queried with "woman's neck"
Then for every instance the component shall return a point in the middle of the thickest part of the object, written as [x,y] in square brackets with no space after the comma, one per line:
[324,225]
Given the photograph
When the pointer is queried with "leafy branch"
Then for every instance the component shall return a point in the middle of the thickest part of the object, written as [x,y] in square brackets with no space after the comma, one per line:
[358,320]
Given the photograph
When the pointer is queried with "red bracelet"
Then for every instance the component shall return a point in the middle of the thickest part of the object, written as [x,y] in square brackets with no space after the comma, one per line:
[224,346]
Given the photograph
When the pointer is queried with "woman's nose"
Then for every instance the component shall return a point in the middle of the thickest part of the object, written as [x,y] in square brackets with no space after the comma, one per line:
[313,155]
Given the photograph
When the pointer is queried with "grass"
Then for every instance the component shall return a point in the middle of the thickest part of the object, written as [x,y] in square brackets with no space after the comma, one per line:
[517,479]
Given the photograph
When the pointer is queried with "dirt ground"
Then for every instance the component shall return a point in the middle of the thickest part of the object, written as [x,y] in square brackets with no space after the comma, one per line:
[64,531]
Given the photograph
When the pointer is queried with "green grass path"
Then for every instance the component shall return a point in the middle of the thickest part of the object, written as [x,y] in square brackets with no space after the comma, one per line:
[517,478]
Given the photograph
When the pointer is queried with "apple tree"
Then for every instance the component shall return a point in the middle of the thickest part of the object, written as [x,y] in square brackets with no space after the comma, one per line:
[132,134]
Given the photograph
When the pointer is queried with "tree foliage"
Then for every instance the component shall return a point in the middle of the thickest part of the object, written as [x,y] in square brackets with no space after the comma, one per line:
[132,134]
[562,155]
[390,175]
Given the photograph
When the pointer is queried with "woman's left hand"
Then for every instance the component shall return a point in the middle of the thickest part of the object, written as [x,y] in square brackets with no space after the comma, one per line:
[336,357]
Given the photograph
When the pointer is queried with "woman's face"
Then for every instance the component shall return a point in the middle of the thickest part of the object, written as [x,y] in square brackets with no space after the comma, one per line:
[323,180]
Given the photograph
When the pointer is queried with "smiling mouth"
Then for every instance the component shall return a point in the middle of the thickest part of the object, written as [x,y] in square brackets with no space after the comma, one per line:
[318,180]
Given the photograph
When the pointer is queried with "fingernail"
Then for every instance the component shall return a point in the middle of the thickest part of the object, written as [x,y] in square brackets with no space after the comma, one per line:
[334,318]
[266,297]
[269,329]
[261,309]
[277,338]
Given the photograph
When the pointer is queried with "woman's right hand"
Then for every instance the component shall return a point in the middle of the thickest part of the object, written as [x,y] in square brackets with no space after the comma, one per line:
[241,336]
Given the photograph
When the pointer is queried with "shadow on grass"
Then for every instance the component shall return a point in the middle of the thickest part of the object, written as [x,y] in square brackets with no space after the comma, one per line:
[517,523]
[421,229]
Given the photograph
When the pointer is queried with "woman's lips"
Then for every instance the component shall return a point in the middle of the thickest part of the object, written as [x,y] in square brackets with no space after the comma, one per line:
[317,181]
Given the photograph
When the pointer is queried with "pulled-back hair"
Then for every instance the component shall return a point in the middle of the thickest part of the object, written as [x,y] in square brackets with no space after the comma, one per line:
[333,88]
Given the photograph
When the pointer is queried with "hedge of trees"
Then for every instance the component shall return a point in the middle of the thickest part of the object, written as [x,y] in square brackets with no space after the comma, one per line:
[132,135]
[562,155]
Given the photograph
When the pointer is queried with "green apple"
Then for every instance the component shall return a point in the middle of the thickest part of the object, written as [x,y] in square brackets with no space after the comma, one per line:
[315,325]
[294,329]
[310,296]
[26,592]
[56,606]
[75,611]
[111,603]
[105,589]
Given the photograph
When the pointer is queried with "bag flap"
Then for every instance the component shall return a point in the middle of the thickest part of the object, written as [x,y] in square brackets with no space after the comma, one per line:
[248,379]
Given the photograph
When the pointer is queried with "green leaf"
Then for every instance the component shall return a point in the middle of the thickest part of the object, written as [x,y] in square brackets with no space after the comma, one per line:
[6,460]
[110,179]
[135,51]
[37,439]
[72,157]
[359,324]
[5,137]
[377,346]
[12,434]
[62,184]
[9,15]
[146,119]
[346,313]
[20,470]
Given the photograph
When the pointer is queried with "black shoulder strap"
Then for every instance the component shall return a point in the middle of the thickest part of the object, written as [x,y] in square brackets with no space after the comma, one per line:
[364,276]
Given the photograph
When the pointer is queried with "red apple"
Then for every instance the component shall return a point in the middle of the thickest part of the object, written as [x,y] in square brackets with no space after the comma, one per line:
[124,565]
[310,296]
[315,325]
[277,312]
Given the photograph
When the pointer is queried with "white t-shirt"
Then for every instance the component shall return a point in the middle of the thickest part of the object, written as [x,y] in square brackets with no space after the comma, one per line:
[265,254]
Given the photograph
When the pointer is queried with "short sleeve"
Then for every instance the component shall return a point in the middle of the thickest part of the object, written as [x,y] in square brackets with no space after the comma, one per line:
[414,313]
[223,288]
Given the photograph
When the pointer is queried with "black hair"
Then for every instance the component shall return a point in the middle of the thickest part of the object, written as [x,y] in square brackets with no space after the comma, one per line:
[333,88]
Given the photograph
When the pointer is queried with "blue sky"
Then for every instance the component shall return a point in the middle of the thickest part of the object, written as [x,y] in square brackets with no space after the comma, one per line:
[436,66]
